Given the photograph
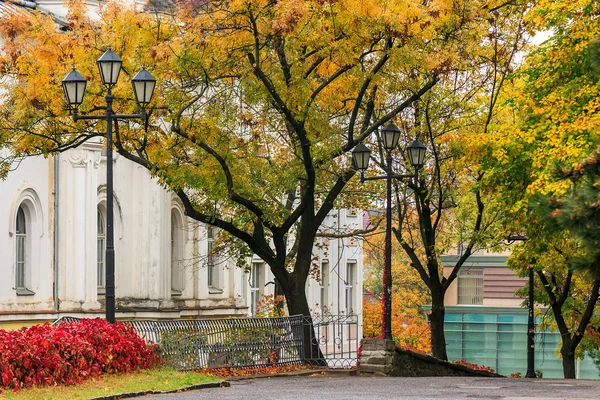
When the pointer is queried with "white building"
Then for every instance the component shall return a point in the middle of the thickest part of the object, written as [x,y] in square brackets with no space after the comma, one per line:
[54,216]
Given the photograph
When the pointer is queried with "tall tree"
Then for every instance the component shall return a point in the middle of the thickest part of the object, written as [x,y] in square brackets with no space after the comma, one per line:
[258,102]
[445,208]
[552,120]
[570,294]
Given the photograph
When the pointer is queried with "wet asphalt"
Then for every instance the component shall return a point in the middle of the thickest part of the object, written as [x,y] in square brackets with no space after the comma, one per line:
[324,387]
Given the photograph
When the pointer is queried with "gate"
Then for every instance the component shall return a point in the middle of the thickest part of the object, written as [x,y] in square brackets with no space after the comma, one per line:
[338,337]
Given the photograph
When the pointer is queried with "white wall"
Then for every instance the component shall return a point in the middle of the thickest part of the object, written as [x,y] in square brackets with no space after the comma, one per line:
[338,253]
[29,185]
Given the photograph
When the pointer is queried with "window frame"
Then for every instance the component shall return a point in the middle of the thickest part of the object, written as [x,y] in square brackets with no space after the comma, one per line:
[101,250]
[469,275]
[350,281]
[177,248]
[23,245]
[324,286]
[256,289]
[213,276]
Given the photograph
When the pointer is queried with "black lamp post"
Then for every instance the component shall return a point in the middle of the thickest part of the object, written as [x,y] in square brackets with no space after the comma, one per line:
[109,65]
[360,158]
[530,317]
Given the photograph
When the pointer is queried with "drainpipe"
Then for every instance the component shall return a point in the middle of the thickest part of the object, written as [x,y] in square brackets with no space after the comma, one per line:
[56,187]
[35,6]
[340,298]
[24,3]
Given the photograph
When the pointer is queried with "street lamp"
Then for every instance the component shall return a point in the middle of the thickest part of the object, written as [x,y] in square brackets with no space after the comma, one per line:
[109,66]
[360,158]
[530,317]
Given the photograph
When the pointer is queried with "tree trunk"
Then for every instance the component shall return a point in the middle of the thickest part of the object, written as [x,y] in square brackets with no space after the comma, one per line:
[279,299]
[567,352]
[436,319]
[298,305]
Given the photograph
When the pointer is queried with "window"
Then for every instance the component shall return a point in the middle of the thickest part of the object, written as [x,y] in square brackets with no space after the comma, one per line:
[177,270]
[21,251]
[214,282]
[27,227]
[324,288]
[350,278]
[256,277]
[101,250]
[470,286]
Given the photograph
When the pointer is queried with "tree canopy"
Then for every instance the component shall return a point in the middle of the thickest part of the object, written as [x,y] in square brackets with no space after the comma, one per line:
[533,160]
[259,103]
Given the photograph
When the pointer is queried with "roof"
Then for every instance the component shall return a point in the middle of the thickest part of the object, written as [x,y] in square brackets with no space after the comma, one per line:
[24,7]
[9,8]
[475,261]
[160,5]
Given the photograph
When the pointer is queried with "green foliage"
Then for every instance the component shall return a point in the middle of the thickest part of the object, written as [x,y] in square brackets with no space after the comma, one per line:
[577,211]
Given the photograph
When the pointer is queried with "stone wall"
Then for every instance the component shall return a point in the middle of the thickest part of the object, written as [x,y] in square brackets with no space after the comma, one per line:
[382,357]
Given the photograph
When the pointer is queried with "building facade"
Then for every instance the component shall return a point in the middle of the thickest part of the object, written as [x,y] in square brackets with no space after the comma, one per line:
[486,324]
[54,216]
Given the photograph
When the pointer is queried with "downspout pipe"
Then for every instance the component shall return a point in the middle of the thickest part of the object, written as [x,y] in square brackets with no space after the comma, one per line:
[56,248]
[35,6]
[25,3]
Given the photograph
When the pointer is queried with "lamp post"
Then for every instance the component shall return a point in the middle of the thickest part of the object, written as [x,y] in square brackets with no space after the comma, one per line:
[530,317]
[360,157]
[74,84]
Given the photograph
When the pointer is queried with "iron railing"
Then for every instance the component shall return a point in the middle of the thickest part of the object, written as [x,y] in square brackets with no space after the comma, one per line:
[251,342]
[235,342]
[338,337]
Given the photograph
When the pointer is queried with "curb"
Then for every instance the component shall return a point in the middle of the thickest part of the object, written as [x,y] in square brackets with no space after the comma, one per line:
[146,392]
[309,372]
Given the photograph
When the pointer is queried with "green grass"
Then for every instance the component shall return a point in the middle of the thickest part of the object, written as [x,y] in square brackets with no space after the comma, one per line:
[161,379]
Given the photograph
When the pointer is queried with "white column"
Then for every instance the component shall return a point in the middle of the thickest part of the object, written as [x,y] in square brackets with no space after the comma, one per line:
[76,231]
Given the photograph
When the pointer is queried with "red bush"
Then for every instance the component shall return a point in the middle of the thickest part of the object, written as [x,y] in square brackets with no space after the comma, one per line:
[70,353]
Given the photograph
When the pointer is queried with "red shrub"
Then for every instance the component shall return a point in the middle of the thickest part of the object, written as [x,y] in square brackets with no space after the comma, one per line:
[70,352]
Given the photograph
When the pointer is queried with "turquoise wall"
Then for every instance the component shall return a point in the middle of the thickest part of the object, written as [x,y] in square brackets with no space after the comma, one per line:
[498,339]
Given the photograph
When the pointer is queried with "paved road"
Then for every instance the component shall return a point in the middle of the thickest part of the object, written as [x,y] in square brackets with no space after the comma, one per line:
[361,387]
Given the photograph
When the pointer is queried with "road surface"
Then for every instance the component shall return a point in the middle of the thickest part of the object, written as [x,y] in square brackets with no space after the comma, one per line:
[325,387]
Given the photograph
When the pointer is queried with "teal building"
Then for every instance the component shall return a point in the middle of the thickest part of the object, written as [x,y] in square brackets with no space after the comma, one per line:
[485,323]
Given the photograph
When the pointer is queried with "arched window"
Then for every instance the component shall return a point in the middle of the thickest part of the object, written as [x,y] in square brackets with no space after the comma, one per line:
[177,266]
[21,251]
[101,250]
[27,230]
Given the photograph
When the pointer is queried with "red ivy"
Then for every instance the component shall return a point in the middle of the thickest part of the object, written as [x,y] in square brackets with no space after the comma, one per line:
[70,353]
[473,366]
[272,370]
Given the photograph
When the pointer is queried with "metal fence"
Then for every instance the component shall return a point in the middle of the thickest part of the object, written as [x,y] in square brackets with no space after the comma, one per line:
[251,342]
[235,342]
[338,337]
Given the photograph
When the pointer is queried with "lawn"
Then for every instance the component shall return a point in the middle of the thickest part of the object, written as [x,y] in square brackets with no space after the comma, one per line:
[159,379]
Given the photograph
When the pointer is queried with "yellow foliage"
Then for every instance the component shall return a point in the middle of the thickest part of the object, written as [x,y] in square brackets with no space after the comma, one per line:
[409,295]
[414,334]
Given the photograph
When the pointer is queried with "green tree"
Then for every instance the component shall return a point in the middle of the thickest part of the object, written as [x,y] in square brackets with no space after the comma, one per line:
[571,295]
[551,119]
